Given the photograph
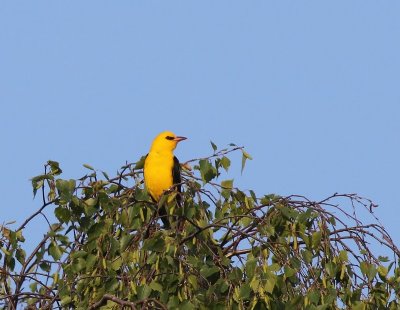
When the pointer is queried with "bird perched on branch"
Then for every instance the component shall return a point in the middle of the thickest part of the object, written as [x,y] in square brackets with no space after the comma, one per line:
[162,169]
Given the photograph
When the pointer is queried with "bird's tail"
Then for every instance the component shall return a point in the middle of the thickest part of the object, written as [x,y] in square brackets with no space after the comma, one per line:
[162,212]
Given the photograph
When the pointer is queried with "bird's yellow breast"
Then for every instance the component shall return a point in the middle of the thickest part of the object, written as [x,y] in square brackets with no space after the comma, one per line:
[158,173]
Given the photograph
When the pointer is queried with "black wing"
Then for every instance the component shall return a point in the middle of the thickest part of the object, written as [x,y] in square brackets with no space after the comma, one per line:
[176,178]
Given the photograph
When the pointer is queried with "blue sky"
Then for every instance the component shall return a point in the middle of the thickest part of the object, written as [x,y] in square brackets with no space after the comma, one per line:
[310,88]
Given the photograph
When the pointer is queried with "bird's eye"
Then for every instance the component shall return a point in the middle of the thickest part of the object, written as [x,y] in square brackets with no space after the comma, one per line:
[169,138]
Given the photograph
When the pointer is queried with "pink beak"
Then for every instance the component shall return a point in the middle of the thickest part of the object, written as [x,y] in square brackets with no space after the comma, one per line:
[177,139]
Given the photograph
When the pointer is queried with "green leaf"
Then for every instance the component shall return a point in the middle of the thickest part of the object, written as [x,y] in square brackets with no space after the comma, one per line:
[54,167]
[140,164]
[78,264]
[364,267]
[316,239]
[116,264]
[331,296]
[112,285]
[314,296]
[66,300]
[368,270]
[225,163]
[144,291]
[91,260]
[359,305]
[78,254]
[307,256]
[63,214]
[155,286]
[251,267]
[236,274]
[270,285]
[245,156]
[88,167]
[186,305]
[208,271]
[20,255]
[193,281]
[227,184]
[55,251]
[106,175]
[213,146]
[331,268]
[19,236]
[289,272]
[207,170]
[155,244]
[125,241]
[382,271]
[90,206]
[224,287]
[245,291]
[98,229]
[173,302]
[33,286]
[38,181]
[65,189]
[45,266]
[270,199]
[343,256]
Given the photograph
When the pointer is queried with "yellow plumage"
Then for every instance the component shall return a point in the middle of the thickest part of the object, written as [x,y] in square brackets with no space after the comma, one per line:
[161,167]
[158,175]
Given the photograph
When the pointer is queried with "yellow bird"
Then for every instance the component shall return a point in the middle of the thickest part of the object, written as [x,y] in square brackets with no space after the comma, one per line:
[162,169]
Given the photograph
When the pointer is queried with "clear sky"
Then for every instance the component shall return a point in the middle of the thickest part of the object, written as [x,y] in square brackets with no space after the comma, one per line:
[310,88]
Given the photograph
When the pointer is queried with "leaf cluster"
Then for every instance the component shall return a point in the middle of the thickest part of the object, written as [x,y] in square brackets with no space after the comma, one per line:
[226,248]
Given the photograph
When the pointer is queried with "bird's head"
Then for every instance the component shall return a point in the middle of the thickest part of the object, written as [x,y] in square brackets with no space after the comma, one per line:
[166,141]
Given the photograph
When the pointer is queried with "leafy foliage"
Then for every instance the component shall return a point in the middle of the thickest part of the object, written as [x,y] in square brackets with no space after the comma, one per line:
[106,248]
